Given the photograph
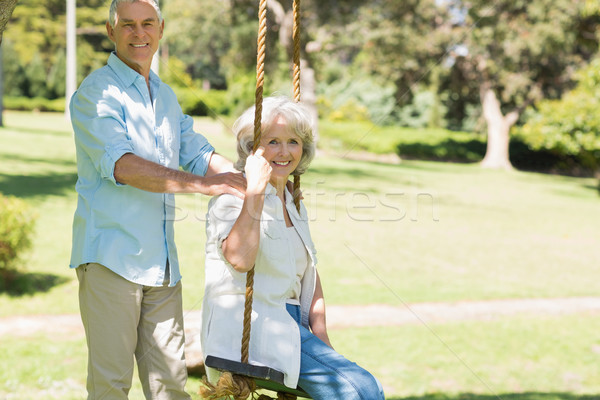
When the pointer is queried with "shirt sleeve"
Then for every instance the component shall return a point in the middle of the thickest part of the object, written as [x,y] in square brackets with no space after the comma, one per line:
[99,126]
[223,212]
[195,151]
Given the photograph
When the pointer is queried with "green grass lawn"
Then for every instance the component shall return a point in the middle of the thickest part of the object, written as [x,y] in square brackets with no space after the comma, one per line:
[553,357]
[393,234]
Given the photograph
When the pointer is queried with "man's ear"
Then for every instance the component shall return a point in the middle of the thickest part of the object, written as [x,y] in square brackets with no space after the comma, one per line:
[110,32]
[162,28]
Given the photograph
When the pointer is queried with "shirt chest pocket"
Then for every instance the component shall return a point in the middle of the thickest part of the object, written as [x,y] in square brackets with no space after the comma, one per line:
[274,244]
[167,141]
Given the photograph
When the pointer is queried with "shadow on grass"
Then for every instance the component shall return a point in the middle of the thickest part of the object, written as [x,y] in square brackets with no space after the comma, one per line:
[17,284]
[37,185]
[38,131]
[503,396]
[592,187]
[449,150]
[344,177]
[9,158]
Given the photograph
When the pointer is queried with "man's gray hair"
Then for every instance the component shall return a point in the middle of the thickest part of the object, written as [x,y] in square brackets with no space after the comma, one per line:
[298,120]
[112,13]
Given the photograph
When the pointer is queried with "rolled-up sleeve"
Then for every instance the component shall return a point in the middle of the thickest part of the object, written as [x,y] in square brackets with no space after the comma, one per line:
[223,212]
[100,129]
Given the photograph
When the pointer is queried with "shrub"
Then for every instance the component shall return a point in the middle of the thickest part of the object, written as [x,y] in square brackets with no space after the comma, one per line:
[16,228]
[569,128]
[203,103]
[357,100]
[448,149]
[425,111]
[464,147]
[34,104]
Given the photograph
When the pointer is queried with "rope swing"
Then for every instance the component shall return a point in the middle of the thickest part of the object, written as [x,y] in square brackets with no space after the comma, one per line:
[239,381]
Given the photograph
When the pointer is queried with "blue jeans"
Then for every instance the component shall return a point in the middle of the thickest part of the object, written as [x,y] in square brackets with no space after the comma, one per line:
[327,375]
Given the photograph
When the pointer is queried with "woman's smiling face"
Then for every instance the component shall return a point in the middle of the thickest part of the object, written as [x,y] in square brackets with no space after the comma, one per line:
[283,150]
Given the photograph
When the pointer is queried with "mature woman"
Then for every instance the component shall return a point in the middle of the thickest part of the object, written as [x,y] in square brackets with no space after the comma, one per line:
[269,232]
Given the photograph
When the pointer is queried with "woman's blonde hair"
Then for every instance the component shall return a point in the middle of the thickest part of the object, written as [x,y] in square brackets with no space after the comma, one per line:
[298,120]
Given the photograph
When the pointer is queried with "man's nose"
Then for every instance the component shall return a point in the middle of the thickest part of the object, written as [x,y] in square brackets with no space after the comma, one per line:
[138,30]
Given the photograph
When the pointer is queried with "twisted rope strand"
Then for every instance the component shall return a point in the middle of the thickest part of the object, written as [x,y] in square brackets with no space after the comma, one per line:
[296,84]
[296,38]
[260,79]
[260,69]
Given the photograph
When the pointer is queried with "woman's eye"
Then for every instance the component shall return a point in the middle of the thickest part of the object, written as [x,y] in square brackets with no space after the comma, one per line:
[273,141]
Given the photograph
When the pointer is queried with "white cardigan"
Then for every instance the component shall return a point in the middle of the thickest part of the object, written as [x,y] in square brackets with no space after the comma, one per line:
[274,338]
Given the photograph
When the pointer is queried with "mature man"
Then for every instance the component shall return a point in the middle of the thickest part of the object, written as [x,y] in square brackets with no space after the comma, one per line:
[131,138]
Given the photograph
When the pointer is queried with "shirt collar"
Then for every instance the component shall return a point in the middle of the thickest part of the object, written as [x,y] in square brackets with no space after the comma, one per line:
[127,74]
[270,190]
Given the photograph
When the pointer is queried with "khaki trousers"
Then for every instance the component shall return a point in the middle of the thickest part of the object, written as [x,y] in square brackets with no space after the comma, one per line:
[122,320]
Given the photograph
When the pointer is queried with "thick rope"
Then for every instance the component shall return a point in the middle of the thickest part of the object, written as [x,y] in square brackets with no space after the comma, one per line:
[229,386]
[260,80]
[260,69]
[296,38]
[296,84]
[296,192]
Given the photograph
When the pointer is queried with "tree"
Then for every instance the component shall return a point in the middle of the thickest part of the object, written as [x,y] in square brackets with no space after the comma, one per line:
[197,36]
[520,51]
[405,42]
[6,10]
[37,30]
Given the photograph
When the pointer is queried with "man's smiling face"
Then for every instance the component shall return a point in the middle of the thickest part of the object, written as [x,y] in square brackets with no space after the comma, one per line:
[136,34]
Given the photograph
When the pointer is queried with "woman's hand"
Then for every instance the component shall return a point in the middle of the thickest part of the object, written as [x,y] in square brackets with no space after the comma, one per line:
[258,172]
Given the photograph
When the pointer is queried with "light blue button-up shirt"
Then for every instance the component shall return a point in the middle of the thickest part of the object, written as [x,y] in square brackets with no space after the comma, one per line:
[129,230]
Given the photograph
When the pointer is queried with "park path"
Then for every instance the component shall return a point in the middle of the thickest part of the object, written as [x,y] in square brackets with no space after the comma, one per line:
[339,317]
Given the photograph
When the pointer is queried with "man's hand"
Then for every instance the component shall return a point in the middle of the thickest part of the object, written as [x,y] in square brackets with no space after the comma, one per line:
[228,182]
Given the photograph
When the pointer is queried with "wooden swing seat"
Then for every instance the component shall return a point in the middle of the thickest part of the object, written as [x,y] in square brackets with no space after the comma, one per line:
[264,377]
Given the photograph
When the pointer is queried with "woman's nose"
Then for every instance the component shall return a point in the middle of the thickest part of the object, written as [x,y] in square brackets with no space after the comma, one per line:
[283,149]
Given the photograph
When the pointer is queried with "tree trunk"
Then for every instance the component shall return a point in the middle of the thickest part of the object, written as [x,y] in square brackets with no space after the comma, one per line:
[6,9]
[308,94]
[498,127]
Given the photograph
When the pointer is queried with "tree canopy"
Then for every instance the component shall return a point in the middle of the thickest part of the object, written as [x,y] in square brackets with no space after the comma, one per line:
[417,63]
[6,10]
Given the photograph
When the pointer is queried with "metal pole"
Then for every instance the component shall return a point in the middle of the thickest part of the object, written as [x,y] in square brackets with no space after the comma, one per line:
[156,58]
[71,84]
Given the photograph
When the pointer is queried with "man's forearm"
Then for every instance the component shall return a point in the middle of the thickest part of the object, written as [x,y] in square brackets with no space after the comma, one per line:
[146,175]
